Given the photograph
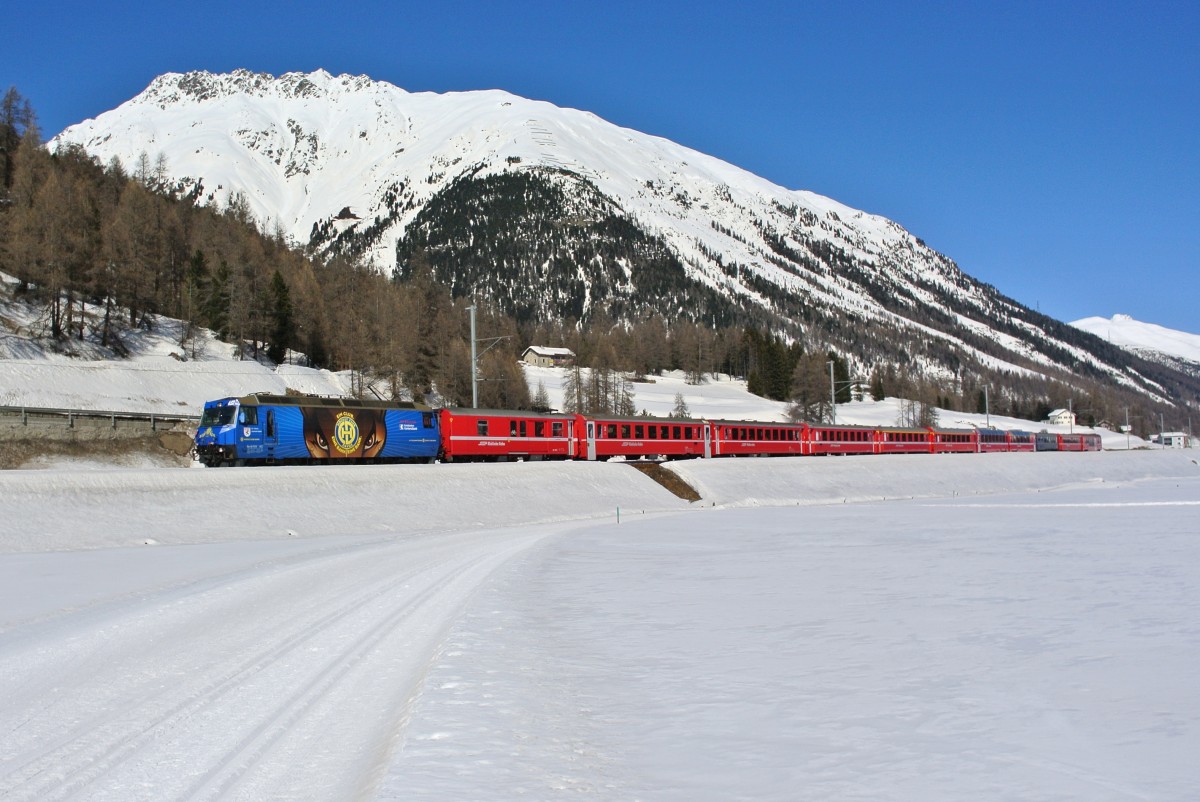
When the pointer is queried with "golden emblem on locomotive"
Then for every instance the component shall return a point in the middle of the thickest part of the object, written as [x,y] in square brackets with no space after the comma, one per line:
[338,434]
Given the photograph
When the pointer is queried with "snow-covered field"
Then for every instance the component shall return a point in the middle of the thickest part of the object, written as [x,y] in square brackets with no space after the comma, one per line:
[927,627]
[1017,626]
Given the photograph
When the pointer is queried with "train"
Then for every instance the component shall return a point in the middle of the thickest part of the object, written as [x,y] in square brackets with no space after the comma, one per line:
[261,429]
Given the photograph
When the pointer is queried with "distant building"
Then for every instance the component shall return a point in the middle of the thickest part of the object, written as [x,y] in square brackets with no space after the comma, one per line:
[1062,417]
[545,357]
[1172,440]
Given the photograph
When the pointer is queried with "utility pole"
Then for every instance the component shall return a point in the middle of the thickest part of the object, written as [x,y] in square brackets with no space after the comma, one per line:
[474,363]
[832,395]
[475,358]
[987,407]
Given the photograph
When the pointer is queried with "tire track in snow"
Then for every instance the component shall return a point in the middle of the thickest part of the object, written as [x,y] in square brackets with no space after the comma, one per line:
[280,686]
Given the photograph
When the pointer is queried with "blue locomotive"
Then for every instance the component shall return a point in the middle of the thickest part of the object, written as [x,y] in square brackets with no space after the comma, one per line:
[263,428]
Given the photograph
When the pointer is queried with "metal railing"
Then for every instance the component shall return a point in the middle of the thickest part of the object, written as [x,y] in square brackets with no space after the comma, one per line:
[153,418]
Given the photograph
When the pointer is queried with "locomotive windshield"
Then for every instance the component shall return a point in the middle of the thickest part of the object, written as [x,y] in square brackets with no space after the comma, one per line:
[217,416]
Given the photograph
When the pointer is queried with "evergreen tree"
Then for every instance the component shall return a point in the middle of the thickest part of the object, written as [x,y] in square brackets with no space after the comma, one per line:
[680,409]
[283,325]
[810,390]
[541,398]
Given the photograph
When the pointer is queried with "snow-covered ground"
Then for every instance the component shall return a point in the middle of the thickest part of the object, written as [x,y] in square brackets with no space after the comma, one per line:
[1017,626]
[932,627]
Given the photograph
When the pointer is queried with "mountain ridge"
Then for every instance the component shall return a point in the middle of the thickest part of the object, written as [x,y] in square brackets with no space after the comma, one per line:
[304,147]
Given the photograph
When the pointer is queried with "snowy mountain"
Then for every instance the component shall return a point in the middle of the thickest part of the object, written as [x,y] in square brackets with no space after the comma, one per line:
[497,194]
[1176,348]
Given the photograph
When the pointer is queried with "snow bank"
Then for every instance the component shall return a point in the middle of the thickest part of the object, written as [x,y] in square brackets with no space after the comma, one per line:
[791,481]
[56,510]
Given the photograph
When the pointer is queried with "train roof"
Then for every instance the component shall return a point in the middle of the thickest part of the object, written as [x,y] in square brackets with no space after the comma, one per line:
[598,418]
[509,413]
[274,399]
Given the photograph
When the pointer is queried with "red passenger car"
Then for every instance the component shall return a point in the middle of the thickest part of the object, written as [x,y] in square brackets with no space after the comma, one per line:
[1079,442]
[1021,441]
[604,437]
[955,441]
[490,434]
[834,439]
[733,438]
[903,441]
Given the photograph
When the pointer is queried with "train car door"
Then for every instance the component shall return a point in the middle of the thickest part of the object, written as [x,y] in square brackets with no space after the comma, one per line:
[591,440]
[270,434]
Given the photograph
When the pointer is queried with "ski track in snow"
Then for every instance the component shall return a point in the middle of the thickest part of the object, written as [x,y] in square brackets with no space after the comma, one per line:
[225,687]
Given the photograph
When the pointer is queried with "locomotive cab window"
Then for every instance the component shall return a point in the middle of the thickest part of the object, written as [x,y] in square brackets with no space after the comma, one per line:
[249,416]
[217,416]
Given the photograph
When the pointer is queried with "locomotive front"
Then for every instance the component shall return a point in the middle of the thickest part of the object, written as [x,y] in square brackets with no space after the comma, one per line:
[217,435]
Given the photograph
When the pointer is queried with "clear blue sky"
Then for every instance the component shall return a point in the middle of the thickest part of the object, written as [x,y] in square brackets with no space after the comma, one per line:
[1052,149]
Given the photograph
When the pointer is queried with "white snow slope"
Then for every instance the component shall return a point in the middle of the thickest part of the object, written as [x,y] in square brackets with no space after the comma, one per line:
[300,148]
[1141,337]
[495,632]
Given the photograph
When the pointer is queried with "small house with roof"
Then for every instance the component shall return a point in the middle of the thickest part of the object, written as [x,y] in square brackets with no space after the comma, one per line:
[545,357]
[1061,417]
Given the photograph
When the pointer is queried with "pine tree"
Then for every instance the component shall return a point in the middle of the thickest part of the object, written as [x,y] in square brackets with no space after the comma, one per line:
[283,325]
[541,399]
[810,390]
[680,410]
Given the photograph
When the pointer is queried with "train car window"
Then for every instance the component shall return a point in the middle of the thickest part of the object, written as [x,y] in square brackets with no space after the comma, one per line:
[625,430]
[678,432]
[652,432]
[639,432]
[556,429]
[687,432]
[512,428]
[523,429]
[539,428]
[481,427]
[612,431]
[270,423]
[249,416]
[427,420]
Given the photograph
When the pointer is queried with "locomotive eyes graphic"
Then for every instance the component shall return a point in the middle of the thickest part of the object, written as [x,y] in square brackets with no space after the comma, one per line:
[342,434]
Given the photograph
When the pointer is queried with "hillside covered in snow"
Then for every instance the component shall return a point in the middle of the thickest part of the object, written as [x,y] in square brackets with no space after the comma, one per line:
[554,214]
[1152,341]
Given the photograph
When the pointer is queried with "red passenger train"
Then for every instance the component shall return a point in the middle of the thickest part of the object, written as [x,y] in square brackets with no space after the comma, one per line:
[478,434]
